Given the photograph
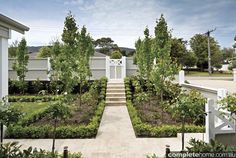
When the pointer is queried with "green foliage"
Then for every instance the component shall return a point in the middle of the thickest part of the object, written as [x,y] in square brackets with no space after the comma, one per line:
[140,98]
[26,98]
[13,49]
[148,130]
[70,60]
[20,63]
[24,129]
[45,52]
[164,69]
[38,85]
[227,54]
[189,59]
[198,146]
[13,150]
[105,44]
[178,50]
[199,46]
[65,131]
[232,65]
[116,55]
[189,105]
[229,103]
[143,57]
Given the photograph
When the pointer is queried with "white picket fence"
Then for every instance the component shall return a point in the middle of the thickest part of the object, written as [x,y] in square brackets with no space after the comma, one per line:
[216,122]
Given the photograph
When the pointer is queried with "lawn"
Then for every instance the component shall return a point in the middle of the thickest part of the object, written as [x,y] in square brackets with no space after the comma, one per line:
[29,107]
[206,74]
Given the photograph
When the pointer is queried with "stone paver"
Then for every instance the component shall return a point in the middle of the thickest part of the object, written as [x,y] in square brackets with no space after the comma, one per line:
[115,139]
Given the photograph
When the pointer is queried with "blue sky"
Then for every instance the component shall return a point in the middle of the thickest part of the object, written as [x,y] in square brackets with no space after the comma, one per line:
[123,20]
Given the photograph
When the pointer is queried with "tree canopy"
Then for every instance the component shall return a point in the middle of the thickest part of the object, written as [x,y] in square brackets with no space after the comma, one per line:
[105,44]
[70,59]
[199,46]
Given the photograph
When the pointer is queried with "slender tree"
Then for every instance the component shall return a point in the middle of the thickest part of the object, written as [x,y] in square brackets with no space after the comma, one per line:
[164,69]
[70,62]
[188,106]
[58,111]
[21,62]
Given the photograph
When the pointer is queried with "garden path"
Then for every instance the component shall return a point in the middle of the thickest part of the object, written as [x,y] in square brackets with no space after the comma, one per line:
[115,139]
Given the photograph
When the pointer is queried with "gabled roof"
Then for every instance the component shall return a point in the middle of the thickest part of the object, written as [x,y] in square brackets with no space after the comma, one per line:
[12,24]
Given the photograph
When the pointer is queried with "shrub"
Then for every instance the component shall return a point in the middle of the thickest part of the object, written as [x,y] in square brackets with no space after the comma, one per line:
[116,55]
[38,86]
[148,130]
[33,98]
[198,146]
[12,150]
[65,131]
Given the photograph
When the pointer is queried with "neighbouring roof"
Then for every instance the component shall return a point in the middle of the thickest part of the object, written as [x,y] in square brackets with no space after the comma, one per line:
[12,24]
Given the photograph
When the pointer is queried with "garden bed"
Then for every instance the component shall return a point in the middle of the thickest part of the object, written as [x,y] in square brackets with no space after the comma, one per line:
[148,117]
[83,122]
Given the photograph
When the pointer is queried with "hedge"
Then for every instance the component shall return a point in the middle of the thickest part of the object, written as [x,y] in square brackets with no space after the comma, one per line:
[65,131]
[148,130]
[33,98]
[24,130]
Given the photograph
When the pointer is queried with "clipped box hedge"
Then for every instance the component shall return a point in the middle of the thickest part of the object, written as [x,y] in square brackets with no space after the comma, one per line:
[66,131]
[23,129]
[148,130]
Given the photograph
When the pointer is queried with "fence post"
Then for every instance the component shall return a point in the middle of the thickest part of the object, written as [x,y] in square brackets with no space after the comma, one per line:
[210,120]
[48,69]
[234,75]
[181,77]
[108,67]
[167,151]
[124,67]
[65,152]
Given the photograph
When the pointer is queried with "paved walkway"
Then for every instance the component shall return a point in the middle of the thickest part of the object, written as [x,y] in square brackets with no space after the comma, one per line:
[115,139]
[229,85]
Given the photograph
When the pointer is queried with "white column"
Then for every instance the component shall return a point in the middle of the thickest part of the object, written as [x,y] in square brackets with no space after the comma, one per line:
[108,67]
[3,67]
[210,122]
[181,77]
[234,75]
[124,67]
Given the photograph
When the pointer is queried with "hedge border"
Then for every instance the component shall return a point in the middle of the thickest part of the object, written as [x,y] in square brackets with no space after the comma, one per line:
[66,131]
[148,130]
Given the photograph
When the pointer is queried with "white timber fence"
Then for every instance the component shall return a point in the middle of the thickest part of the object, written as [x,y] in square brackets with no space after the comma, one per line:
[100,66]
[216,122]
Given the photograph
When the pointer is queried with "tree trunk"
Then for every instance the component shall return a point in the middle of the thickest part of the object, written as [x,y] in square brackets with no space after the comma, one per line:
[1,134]
[54,136]
[80,94]
[183,122]
[162,111]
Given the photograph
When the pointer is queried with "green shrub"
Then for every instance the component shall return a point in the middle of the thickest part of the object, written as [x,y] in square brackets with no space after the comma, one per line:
[116,55]
[45,131]
[33,98]
[12,150]
[148,130]
[198,146]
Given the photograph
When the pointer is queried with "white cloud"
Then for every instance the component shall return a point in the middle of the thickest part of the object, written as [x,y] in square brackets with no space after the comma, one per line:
[125,20]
